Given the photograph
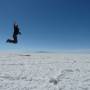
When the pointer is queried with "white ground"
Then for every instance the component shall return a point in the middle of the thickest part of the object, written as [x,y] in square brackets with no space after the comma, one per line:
[44,71]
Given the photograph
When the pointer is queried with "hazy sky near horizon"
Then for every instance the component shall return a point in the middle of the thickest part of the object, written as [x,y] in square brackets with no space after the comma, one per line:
[46,24]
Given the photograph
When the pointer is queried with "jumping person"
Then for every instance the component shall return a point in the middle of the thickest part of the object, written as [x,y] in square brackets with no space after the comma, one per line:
[15,33]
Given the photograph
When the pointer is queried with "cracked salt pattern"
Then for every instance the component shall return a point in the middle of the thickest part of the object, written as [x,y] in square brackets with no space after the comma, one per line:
[45,71]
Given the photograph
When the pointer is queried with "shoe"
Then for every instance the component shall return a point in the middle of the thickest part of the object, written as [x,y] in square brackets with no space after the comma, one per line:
[7,41]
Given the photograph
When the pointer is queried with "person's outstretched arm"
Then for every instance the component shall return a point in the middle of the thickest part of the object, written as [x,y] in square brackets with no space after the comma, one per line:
[20,33]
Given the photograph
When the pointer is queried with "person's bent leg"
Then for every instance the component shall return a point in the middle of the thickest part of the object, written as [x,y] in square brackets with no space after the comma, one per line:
[10,41]
[15,39]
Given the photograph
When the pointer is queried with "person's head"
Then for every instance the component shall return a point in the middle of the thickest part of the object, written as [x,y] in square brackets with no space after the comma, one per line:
[15,23]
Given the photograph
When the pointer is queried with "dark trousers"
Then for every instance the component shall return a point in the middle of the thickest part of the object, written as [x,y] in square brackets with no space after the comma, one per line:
[14,39]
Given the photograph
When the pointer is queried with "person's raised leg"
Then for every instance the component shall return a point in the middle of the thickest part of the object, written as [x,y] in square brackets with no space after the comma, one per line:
[10,41]
[15,39]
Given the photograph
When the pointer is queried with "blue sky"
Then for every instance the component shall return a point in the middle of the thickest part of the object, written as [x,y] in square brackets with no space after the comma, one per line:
[53,25]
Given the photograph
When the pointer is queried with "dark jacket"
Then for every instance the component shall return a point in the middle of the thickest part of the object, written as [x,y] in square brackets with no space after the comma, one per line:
[16,30]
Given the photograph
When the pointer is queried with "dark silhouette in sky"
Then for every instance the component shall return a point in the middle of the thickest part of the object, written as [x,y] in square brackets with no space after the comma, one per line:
[15,33]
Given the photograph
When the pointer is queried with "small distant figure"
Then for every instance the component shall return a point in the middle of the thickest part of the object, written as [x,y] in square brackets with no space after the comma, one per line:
[15,33]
